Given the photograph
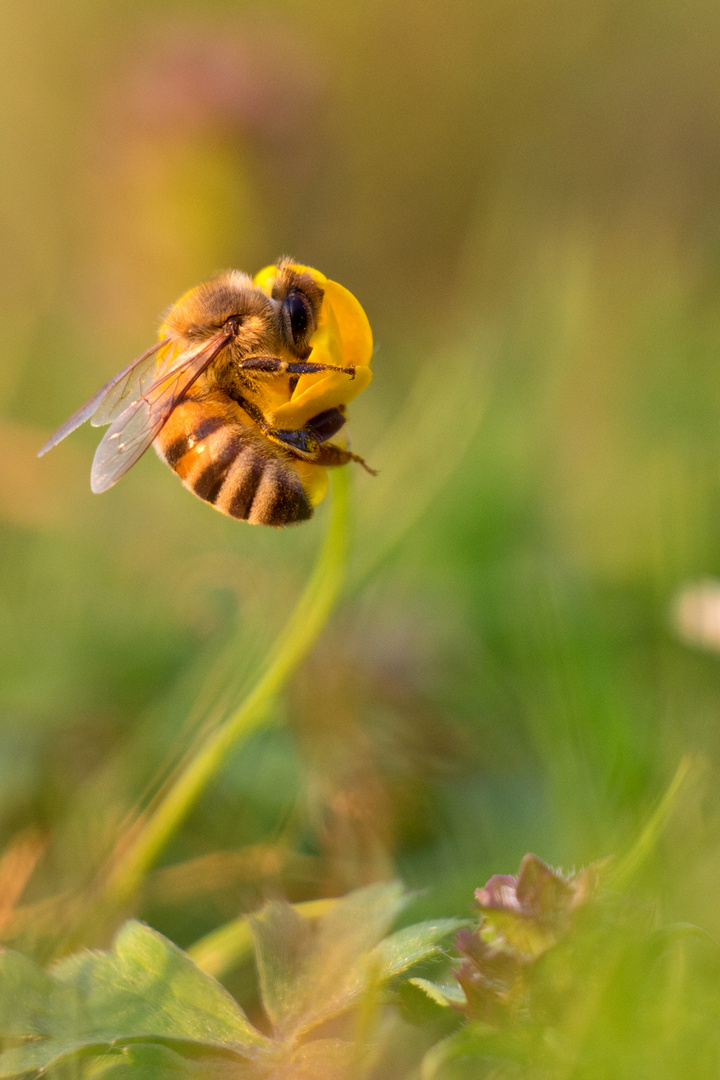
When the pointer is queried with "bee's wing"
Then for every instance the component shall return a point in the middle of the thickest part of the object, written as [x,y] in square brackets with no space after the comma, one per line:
[136,382]
[139,424]
[103,406]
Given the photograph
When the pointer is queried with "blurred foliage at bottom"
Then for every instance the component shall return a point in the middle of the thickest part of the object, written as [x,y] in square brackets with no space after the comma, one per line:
[561,977]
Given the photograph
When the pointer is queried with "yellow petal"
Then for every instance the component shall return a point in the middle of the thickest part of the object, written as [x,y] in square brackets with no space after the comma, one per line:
[314,480]
[350,325]
[342,338]
[266,278]
[327,390]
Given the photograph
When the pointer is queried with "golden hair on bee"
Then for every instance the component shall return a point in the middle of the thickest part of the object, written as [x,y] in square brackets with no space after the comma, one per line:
[242,394]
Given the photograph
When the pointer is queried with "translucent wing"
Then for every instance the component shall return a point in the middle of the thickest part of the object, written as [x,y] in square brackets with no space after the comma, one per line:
[139,424]
[134,385]
[103,406]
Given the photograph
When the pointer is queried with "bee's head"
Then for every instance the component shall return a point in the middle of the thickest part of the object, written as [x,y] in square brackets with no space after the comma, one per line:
[299,297]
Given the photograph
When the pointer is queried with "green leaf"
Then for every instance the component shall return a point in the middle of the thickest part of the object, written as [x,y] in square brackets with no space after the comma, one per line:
[440,994]
[321,1059]
[25,995]
[284,950]
[149,986]
[150,1061]
[146,988]
[229,945]
[412,944]
[311,973]
[424,1003]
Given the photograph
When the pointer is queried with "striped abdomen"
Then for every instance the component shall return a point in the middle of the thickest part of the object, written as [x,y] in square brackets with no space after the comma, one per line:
[231,465]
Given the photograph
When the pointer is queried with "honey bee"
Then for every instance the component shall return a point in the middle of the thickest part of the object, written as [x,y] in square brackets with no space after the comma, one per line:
[240,395]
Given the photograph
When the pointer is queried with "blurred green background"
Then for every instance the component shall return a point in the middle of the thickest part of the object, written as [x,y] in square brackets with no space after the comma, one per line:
[524,197]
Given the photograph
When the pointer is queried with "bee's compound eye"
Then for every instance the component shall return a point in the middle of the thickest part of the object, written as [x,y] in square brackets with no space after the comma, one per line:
[297,310]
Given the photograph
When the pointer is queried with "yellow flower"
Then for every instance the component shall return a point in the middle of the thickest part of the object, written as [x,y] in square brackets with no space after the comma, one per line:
[342,338]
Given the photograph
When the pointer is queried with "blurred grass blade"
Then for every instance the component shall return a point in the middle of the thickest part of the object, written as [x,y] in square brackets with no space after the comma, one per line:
[631,862]
[470,1043]
[17,864]
[422,449]
[289,649]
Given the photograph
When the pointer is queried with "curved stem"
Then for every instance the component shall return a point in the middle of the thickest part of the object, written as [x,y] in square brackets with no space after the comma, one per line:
[290,647]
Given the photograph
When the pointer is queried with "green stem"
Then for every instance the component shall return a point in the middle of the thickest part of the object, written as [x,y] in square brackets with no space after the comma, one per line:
[290,647]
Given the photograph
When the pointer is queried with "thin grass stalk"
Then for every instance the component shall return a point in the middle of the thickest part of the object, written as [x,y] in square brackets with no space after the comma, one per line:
[627,867]
[289,648]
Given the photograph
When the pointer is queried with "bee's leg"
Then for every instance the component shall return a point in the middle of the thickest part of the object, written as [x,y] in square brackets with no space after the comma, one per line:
[303,443]
[329,454]
[308,443]
[273,365]
[304,446]
[252,410]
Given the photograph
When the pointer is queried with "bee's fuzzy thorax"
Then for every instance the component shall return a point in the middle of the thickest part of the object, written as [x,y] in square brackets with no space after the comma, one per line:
[206,308]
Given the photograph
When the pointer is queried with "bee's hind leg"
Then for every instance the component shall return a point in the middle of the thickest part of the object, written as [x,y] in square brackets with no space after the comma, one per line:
[303,442]
[303,445]
[329,454]
[307,443]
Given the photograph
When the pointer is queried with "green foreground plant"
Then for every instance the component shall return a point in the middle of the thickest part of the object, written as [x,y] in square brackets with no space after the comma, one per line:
[145,1006]
[560,977]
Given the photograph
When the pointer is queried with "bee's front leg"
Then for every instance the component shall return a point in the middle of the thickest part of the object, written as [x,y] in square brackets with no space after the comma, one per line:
[273,365]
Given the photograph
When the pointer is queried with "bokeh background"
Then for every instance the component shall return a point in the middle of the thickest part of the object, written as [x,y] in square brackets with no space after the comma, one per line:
[524,196]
